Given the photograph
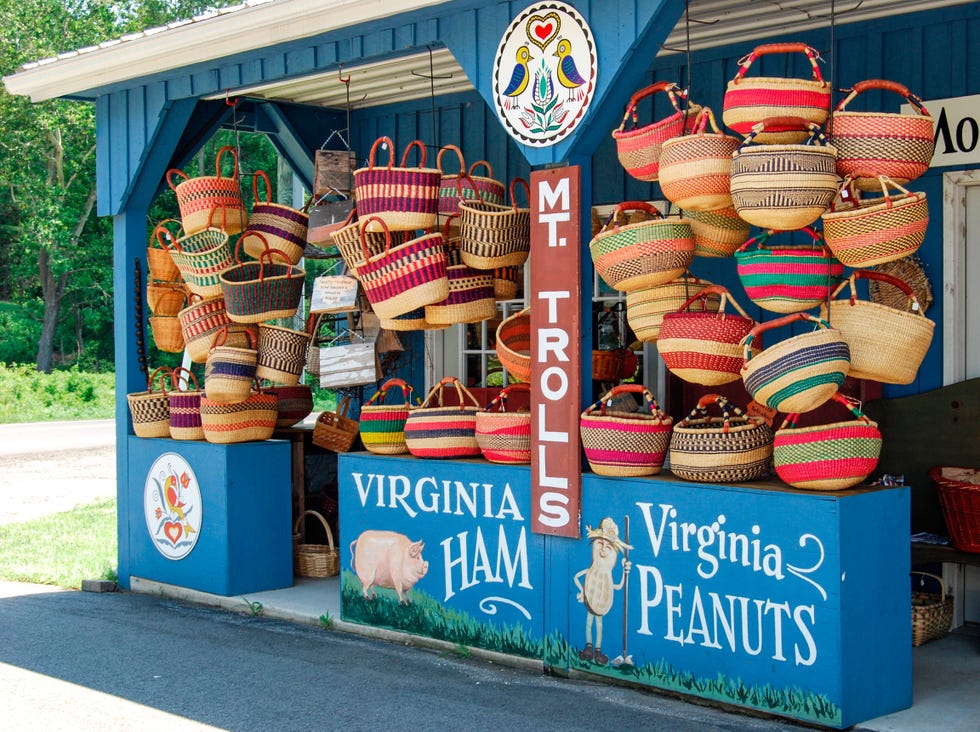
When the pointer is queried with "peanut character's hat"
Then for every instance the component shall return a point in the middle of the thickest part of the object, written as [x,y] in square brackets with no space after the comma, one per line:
[609,531]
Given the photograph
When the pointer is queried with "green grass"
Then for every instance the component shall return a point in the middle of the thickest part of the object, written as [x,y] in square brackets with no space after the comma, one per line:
[62,549]
[31,396]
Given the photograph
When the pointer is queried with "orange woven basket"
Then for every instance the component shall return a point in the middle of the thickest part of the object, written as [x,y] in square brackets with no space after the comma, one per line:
[210,200]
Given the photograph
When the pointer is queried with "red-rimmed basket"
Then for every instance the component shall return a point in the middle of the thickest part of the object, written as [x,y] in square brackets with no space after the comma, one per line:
[251,419]
[404,277]
[734,447]
[348,237]
[887,344]
[827,457]
[150,410]
[799,373]
[210,200]
[645,308]
[705,347]
[283,228]
[625,443]
[466,184]
[644,254]
[494,235]
[749,100]
[202,319]
[696,169]
[897,145]
[505,437]
[959,497]
[403,198]
[865,232]
[262,290]
[185,406]
[787,278]
[513,345]
[437,430]
[229,370]
[639,148]
[382,426]
[784,185]
[201,257]
[470,300]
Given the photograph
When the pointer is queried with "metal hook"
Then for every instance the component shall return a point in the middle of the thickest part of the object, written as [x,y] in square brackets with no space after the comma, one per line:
[231,101]
[340,69]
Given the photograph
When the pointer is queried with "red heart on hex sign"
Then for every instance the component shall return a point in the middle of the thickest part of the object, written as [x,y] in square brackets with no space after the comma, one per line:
[173,530]
[543,31]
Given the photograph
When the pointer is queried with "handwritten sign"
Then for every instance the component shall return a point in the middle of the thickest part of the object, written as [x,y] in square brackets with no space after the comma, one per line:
[333,294]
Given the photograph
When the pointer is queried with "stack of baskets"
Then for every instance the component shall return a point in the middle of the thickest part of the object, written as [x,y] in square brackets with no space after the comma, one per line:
[166,296]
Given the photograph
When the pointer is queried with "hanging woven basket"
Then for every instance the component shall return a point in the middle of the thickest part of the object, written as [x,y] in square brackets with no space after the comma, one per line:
[639,147]
[625,443]
[201,257]
[645,308]
[282,227]
[281,353]
[717,233]
[470,300]
[404,198]
[210,201]
[493,235]
[262,290]
[202,319]
[696,169]
[513,345]
[229,370]
[466,184]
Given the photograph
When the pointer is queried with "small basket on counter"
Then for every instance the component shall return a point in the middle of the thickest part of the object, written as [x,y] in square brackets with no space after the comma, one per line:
[315,560]
[932,613]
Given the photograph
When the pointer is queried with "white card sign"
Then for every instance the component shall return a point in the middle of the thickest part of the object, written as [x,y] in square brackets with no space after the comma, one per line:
[333,294]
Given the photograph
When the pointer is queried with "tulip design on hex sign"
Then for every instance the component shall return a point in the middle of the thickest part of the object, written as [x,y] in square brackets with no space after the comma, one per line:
[173,521]
[596,592]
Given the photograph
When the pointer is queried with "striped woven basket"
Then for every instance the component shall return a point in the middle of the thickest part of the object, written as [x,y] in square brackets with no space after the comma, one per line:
[403,198]
[494,235]
[506,283]
[210,201]
[897,145]
[784,186]
[645,308]
[185,406]
[281,354]
[466,184]
[249,420]
[887,344]
[505,437]
[166,333]
[382,426]
[717,233]
[732,448]
[150,410]
[696,169]
[405,277]
[797,374]
[412,320]
[283,228]
[435,430]
[827,457]
[229,370]
[878,230]
[347,239]
[644,254]
[639,148]
[787,278]
[470,299]
[749,100]
[513,345]
[201,320]
[704,347]
[625,443]
[263,290]
[294,405]
[201,258]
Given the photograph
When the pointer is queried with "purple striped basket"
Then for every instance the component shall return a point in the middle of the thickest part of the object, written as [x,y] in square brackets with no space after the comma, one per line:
[403,198]
[185,406]
[284,228]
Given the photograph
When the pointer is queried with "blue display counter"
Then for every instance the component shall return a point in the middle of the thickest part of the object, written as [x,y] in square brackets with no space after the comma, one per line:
[214,518]
[790,602]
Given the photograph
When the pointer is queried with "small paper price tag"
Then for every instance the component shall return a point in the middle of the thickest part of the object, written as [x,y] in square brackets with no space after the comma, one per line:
[755,409]
[333,294]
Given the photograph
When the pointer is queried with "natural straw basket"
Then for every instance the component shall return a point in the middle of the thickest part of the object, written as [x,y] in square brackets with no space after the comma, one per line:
[382,426]
[166,298]
[491,234]
[887,344]
[896,145]
[436,430]
[877,230]
[160,265]
[451,190]
[704,347]
[249,420]
[827,457]
[732,448]
[210,201]
[643,254]
[513,345]
[166,333]
[281,353]
[797,374]
[506,283]
[185,406]
[696,169]
[315,560]
[639,148]
[336,431]
[625,443]
[470,297]
[505,437]
[283,227]
[263,290]
[910,271]
[748,100]
[403,198]
[150,410]
[645,308]
[932,614]
[201,258]
[229,370]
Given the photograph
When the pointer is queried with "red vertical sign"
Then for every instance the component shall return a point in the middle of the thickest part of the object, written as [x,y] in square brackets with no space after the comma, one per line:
[556,345]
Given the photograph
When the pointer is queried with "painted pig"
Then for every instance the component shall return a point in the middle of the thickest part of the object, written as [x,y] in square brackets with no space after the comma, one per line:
[387,559]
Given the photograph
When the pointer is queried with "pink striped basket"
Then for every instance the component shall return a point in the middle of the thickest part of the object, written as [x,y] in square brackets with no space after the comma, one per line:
[625,443]
[436,430]
[404,198]
[505,437]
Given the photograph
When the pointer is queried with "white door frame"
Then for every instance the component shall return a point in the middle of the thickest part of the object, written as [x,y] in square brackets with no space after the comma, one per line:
[954,273]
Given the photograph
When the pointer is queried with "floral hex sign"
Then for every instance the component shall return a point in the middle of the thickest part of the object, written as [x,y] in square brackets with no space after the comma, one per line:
[544,74]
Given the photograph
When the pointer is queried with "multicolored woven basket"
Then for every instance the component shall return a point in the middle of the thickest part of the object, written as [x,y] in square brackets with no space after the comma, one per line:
[434,430]
[382,426]
[799,373]
[734,447]
[202,319]
[717,233]
[827,457]
[210,201]
[696,169]
[505,437]
[229,370]
[403,198]
[471,298]
[185,406]
[150,410]
[253,418]
[466,184]
[513,345]
[625,443]
[263,290]
[493,235]
[283,228]
[201,258]
[645,308]
[281,353]
[295,403]
[749,100]
[639,148]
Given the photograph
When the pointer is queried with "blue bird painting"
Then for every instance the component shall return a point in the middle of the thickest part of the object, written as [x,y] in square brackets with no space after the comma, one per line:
[568,75]
[519,77]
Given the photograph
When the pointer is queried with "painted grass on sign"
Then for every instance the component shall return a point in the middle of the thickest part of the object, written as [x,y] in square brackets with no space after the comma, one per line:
[62,549]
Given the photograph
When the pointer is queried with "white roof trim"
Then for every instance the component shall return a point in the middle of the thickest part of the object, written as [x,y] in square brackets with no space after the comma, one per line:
[255,24]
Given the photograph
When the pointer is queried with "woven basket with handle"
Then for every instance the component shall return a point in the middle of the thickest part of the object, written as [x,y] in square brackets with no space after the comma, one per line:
[185,406]
[166,298]
[252,419]
[315,560]
[625,443]
[166,333]
[283,228]
[229,370]
[263,290]
[646,307]
[200,322]
[439,430]
[282,353]
[639,147]
[201,257]
[696,169]
[717,233]
[382,426]
[491,234]
[403,198]
[335,431]
[150,410]
[470,299]
[932,612]
[505,437]
[210,201]
[466,184]
[513,345]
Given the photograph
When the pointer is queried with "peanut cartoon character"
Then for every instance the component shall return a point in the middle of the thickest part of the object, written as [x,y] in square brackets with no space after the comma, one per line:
[597,591]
